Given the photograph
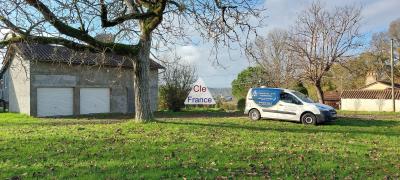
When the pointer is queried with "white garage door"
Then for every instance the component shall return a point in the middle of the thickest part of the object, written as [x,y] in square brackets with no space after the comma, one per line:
[54,102]
[94,100]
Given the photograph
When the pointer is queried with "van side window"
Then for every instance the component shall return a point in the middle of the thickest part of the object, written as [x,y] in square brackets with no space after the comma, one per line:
[288,98]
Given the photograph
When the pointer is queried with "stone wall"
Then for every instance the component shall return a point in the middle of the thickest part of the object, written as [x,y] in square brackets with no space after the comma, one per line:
[18,86]
[119,80]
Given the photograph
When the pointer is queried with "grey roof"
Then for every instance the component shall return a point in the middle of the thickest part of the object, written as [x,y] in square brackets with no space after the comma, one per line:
[61,54]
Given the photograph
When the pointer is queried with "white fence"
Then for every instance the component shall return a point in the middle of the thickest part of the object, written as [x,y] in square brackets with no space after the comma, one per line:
[369,105]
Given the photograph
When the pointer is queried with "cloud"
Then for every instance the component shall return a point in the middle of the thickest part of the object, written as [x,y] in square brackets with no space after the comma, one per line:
[190,54]
[378,15]
[215,74]
[281,14]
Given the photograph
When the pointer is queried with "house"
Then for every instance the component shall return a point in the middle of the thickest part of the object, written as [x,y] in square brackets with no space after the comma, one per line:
[374,81]
[332,98]
[51,80]
[224,94]
[376,95]
[380,85]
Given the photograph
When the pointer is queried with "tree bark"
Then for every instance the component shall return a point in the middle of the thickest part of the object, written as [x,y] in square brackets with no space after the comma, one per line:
[320,92]
[141,68]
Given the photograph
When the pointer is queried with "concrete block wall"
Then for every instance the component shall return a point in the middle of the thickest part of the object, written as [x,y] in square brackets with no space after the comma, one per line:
[18,90]
[119,80]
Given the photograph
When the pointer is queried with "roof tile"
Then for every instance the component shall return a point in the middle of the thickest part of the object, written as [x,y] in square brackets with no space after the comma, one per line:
[61,54]
[370,94]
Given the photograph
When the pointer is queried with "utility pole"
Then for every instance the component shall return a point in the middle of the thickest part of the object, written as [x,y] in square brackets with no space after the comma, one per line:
[392,74]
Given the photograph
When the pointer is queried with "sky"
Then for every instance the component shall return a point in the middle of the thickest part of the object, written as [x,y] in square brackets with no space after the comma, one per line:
[376,14]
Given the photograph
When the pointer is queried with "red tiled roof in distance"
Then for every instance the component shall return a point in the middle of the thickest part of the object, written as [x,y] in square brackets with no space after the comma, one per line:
[370,94]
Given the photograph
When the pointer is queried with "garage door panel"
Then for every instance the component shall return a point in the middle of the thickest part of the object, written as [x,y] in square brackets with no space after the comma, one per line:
[94,100]
[54,102]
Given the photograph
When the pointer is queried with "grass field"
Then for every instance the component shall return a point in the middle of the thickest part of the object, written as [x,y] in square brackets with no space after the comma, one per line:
[178,148]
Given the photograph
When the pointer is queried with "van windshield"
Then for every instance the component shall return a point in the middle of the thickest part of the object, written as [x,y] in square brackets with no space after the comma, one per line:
[303,97]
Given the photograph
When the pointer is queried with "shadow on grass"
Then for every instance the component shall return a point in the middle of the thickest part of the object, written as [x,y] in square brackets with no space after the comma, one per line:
[61,123]
[359,122]
[197,114]
[97,116]
[21,120]
[301,128]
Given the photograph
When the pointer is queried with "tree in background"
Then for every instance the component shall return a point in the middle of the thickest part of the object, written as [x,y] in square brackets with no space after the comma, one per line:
[321,38]
[379,54]
[394,30]
[135,24]
[394,33]
[248,78]
[176,84]
[272,54]
[300,87]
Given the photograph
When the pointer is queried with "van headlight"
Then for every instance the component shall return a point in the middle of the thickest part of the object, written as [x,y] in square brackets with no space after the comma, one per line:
[322,108]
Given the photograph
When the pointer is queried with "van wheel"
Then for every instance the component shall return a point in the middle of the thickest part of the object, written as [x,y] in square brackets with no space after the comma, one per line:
[309,119]
[254,115]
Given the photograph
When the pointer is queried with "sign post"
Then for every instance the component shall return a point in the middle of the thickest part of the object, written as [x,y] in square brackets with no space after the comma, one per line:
[199,94]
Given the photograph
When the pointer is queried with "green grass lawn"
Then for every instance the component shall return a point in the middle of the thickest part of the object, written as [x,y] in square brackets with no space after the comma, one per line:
[178,148]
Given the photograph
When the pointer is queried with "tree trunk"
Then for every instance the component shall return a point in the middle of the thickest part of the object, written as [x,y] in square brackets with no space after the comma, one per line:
[320,93]
[141,68]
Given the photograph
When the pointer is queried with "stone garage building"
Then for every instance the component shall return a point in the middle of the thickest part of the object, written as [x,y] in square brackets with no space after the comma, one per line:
[50,80]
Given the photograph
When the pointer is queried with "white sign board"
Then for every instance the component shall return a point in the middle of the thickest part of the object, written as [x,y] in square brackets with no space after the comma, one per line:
[199,94]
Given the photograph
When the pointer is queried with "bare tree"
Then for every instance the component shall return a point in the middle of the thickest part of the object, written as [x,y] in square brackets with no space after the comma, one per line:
[394,30]
[135,24]
[272,54]
[321,38]
[176,84]
[380,55]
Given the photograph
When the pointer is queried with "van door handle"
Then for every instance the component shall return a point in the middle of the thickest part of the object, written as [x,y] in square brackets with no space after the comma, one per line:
[280,105]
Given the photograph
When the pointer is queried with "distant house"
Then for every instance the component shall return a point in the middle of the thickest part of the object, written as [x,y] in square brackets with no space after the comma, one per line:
[224,94]
[380,85]
[376,95]
[49,80]
[374,81]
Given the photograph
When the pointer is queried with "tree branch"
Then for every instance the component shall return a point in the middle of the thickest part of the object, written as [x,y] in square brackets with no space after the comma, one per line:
[109,23]
[23,36]
[62,27]
[12,26]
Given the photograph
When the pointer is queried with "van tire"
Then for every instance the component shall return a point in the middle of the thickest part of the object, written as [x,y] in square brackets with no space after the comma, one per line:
[254,115]
[309,119]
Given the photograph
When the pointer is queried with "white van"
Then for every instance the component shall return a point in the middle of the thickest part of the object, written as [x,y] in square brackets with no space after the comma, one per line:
[285,104]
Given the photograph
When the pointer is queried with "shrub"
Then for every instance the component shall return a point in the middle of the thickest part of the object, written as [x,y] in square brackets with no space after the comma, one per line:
[241,104]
